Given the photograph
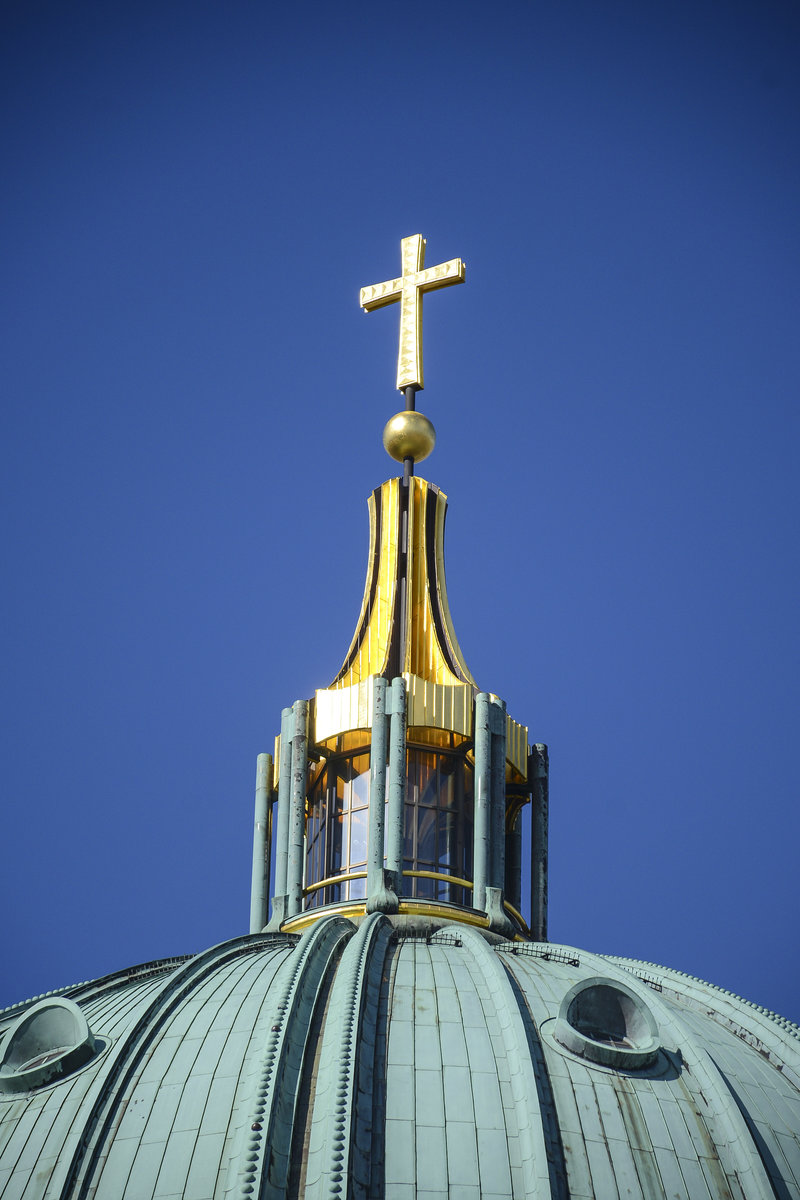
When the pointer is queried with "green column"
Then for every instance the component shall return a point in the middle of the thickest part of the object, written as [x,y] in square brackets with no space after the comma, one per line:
[481,862]
[397,782]
[497,718]
[284,796]
[377,786]
[297,809]
[261,845]
[537,777]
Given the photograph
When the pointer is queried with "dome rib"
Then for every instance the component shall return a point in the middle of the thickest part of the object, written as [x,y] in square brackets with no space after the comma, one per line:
[344,1139]
[410,1061]
[73,1178]
[267,1121]
[684,1101]
[532,1170]
[729,1029]
[759,1026]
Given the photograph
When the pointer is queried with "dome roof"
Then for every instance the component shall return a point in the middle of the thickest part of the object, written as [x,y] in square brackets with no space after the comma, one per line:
[393,1027]
[401,1059]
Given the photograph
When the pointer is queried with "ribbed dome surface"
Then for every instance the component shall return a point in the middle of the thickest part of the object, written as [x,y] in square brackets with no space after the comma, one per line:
[393,1060]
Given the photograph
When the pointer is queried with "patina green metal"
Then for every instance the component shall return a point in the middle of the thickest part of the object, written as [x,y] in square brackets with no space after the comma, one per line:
[490,809]
[397,782]
[274,1066]
[284,799]
[497,723]
[377,787]
[429,1053]
[538,779]
[483,795]
[262,844]
[381,882]
[297,810]
[261,1163]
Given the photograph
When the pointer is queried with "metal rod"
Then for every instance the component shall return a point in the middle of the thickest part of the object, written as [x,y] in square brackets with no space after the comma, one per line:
[517,916]
[261,846]
[454,879]
[441,875]
[284,796]
[331,879]
[377,786]
[410,394]
[483,790]
[397,780]
[400,638]
[297,813]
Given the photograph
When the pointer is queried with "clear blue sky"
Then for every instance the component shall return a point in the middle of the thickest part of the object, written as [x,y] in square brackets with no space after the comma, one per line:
[192,405]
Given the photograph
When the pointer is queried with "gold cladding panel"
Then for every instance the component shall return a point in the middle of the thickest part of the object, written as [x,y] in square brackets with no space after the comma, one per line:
[424,656]
[430,706]
[338,710]
[439,706]
[517,747]
[373,632]
[437,698]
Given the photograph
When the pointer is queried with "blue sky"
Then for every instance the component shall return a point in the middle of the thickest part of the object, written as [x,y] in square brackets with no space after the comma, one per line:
[192,409]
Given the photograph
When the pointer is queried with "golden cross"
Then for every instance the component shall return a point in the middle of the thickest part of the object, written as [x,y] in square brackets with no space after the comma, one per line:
[409,290]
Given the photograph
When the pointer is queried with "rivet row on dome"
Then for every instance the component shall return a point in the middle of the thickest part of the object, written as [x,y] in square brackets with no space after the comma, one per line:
[268,1124]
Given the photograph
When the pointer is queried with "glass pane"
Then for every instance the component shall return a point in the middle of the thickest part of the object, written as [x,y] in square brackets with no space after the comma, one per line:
[335,859]
[408,849]
[426,837]
[435,737]
[358,837]
[448,772]
[427,779]
[354,740]
[358,889]
[448,828]
[412,777]
[426,889]
[360,785]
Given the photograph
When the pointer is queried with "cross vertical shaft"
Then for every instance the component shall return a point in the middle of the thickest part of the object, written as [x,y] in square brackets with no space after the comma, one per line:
[409,289]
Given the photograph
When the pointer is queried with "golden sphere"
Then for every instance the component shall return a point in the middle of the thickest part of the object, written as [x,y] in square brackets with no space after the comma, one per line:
[409,435]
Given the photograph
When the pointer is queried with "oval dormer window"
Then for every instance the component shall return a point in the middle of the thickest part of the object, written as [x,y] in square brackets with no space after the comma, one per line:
[606,1022]
[48,1041]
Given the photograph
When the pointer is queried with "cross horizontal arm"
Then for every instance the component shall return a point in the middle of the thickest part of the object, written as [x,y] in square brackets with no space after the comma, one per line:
[409,290]
[380,294]
[453,271]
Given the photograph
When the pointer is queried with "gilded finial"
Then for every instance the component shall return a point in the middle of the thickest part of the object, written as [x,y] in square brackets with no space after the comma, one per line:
[409,290]
[409,434]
